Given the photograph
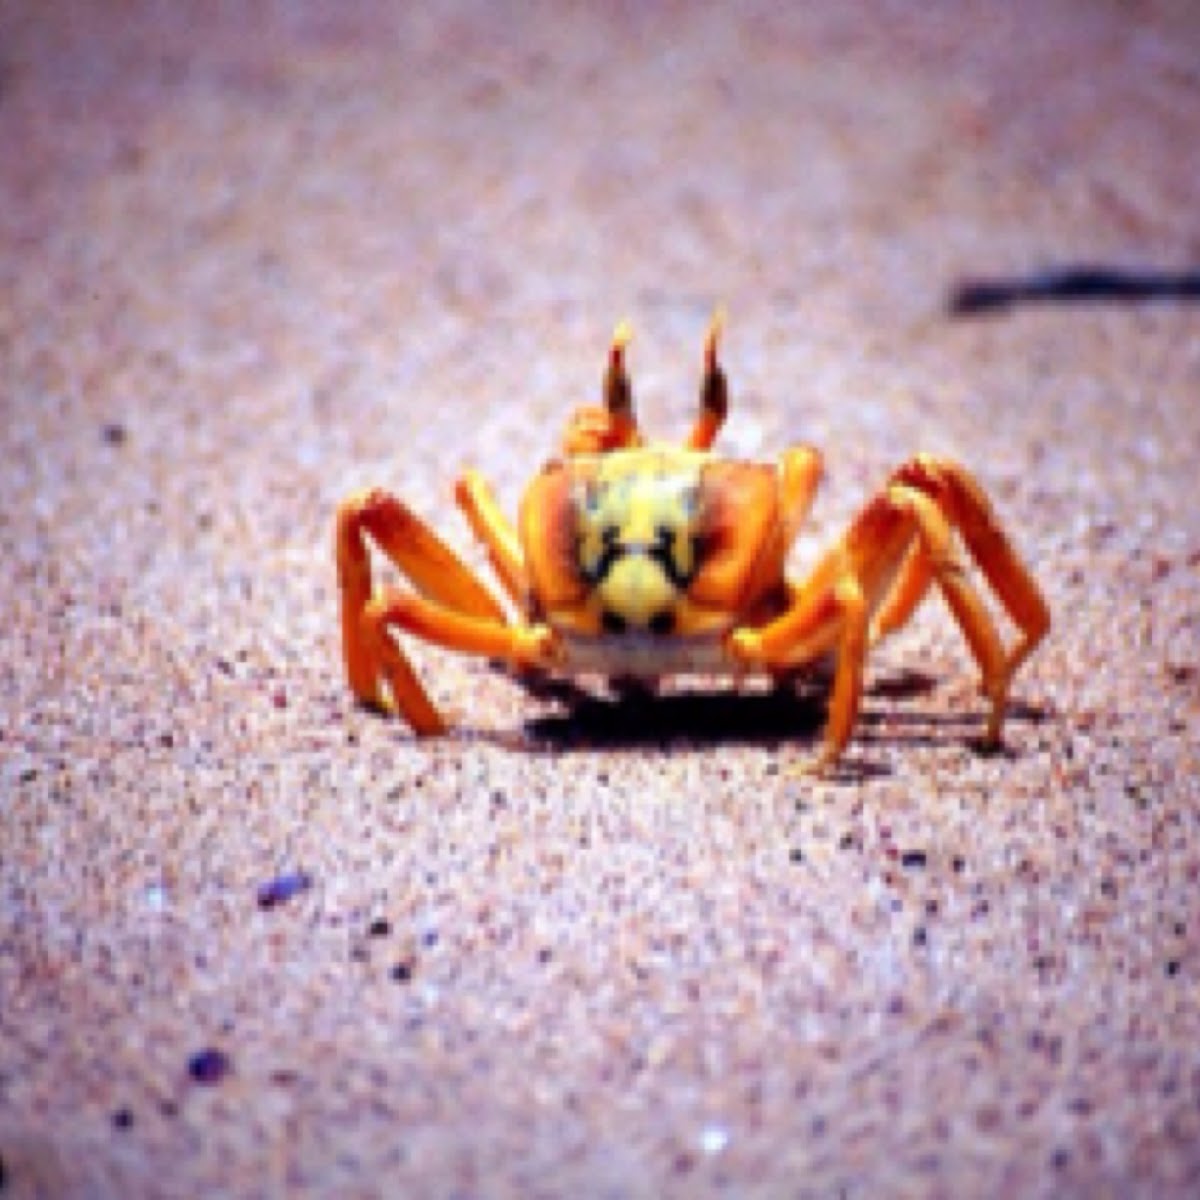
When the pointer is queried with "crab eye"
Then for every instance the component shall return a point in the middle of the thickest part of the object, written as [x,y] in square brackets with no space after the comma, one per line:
[662,623]
[612,622]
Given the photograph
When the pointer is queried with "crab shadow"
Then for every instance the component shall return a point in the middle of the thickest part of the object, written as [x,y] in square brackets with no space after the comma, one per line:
[634,720]
[771,718]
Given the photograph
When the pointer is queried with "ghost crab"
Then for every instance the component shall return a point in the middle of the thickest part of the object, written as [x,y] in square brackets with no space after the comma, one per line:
[636,561]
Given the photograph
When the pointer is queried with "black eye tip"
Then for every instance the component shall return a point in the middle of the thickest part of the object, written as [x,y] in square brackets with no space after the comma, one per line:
[662,623]
[613,622]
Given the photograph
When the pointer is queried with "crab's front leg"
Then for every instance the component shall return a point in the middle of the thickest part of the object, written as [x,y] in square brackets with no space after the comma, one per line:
[828,613]
[940,491]
[449,607]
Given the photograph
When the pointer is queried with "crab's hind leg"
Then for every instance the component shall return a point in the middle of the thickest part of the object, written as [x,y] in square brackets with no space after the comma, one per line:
[989,545]
[899,545]
[913,580]
[960,502]
[450,607]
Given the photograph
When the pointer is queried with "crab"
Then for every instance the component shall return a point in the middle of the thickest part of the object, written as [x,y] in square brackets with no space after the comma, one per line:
[637,561]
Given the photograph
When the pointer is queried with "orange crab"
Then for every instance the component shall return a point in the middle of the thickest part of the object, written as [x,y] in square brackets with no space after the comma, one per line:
[636,560]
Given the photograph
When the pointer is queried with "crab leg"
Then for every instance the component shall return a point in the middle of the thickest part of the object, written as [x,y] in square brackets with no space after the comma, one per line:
[988,543]
[800,471]
[912,581]
[498,537]
[964,601]
[964,504]
[521,645]
[828,613]
[431,566]
[901,543]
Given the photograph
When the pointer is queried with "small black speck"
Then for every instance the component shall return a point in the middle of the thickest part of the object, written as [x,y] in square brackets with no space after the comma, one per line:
[402,972]
[545,954]
[1060,1159]
[380,927]
[920,937]
[114,433]
[208,1066]
[913,858]
[796,855]
[123,1118]
[1173,968]
[958,863]
[429,938]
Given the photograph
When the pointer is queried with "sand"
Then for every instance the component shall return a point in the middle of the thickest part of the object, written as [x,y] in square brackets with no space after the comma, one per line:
[621,949]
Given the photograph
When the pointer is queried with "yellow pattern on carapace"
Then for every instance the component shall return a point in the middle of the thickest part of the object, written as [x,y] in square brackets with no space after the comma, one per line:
[638,535]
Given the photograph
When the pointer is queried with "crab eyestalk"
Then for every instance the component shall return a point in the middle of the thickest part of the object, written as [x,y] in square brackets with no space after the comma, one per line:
[714,389]
[618,391]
